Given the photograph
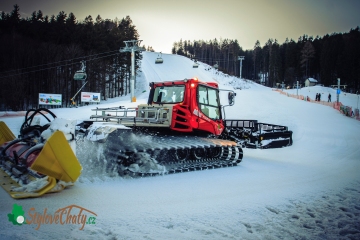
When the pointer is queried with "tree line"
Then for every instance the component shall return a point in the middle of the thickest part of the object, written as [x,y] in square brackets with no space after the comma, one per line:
[324,58]
[40,54]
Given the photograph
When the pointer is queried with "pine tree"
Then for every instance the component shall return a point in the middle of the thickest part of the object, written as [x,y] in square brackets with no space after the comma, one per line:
[274,63]
[256,58]
[33,17]
[307,53]
[180,49]
[88,20]
[71,19]
[290,61]
[15,15]
[61,18]
[40,16]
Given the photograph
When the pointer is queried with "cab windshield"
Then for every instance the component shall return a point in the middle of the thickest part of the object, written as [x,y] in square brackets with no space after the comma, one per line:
[169,94]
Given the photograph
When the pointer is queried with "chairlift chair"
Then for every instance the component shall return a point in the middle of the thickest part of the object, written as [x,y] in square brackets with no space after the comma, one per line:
[81,74]
[159,59]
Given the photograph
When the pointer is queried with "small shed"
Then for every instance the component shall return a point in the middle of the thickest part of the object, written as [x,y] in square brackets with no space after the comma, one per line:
[310,82]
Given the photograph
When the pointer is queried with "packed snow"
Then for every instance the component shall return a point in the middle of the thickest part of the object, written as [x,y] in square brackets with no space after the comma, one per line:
[310,190]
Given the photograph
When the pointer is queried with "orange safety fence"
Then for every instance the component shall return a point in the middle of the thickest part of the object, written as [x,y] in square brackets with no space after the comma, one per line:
[15,114]
[347,111]
[12,114]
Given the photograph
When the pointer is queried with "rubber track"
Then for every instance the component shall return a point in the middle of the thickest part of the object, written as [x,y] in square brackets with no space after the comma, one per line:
[231,156]
[123,148]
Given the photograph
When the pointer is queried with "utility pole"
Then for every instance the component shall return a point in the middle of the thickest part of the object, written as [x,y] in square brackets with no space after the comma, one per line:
[241,58]
[297,88]
[132,46]
[338,90]
[357,106]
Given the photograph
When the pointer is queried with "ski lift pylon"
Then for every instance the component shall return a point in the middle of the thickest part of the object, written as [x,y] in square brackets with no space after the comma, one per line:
[81,74]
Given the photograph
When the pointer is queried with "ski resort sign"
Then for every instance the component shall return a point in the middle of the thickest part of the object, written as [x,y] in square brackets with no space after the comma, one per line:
[90,97]
[50,99]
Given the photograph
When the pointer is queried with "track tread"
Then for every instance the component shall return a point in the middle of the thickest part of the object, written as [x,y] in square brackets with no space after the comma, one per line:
[230,155]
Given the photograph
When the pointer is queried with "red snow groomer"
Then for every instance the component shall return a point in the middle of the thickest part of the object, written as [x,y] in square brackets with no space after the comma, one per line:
[181,128]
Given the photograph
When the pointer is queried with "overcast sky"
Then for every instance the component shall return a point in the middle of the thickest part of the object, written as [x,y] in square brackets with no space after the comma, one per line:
[162,22]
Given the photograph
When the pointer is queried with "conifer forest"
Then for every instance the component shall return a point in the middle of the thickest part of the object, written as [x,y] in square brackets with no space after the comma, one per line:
[41,53]
[326,58]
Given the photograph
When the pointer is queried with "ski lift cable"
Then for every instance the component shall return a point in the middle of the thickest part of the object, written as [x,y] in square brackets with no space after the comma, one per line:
[64,65]
[59,62]
[73,59]
[92,59]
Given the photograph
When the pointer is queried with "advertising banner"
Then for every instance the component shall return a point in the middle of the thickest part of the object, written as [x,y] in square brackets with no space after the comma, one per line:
[90,97]
[50,99]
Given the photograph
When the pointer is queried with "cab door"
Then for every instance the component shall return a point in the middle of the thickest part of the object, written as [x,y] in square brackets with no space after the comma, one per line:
[209,110]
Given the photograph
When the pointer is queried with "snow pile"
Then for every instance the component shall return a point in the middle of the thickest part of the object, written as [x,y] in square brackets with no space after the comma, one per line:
[60,124]
[146,164]
[99,132]
[33,186]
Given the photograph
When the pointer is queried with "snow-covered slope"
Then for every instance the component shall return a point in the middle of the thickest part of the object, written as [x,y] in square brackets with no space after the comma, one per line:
[310,190]
[174,67]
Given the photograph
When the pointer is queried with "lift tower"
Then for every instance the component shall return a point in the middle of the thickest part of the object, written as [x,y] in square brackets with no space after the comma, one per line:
[132,46]
[241,58]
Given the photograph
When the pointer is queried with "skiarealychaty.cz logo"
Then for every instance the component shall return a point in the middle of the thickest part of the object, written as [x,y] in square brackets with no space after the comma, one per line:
[71,214]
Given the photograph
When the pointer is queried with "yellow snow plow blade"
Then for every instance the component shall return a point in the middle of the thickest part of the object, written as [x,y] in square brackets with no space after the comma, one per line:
[5,133]
[58,160]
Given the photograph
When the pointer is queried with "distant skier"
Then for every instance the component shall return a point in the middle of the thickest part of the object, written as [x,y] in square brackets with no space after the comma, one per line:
[317,97]
[329,98]
[231,97]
